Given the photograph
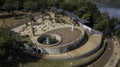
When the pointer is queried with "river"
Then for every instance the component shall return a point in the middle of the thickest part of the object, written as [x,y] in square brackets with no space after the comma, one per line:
[111,10]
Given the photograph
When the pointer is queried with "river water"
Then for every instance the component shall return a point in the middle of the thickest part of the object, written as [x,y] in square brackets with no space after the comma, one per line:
[110,9]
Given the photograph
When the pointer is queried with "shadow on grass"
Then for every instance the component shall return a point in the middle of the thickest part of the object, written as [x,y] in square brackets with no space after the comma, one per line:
[9,16]
[22,59]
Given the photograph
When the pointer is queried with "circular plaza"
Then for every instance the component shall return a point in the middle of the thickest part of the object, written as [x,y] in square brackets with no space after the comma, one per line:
[63,40]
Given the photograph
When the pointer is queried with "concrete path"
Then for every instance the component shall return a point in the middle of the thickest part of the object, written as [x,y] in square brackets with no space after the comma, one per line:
[90,46]
[115,55]
[111,55]
[105,57]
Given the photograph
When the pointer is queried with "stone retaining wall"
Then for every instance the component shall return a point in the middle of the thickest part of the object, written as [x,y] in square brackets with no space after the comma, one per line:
[88,49]
[57,49]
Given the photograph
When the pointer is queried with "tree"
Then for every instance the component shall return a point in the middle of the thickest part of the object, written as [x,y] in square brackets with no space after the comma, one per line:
[83,9]
[8,7]
[30,6]
[11,45]
[104,24]
[31,17]
[17,4]
[69,5]
[12,49]
[113,23]
[117,32]
[1,3]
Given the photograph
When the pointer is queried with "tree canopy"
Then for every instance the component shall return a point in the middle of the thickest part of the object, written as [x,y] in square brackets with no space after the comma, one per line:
[82,8]
[30,5]
[11,45]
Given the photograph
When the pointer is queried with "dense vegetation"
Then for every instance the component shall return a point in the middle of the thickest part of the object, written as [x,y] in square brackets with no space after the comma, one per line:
[83,9]
[107,25]
[26,4]
[11,46]
[12,49]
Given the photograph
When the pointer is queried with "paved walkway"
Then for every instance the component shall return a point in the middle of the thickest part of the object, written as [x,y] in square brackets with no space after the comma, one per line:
[66,34]
[111,55]
[92,44]
[115,55]
[105,57]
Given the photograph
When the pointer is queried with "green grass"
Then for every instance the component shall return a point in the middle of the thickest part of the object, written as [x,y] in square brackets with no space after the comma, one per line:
[118,38]
[57,63]
[118,64]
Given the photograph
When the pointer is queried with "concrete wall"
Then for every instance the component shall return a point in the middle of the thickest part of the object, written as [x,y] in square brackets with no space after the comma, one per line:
[57,49]
[80,52]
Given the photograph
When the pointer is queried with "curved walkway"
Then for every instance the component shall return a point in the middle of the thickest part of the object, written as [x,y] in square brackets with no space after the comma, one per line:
[93,44]
[106,56]
[116,54]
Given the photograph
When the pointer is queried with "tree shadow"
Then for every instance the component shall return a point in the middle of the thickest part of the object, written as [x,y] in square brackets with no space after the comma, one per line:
[23,59]
[9,16]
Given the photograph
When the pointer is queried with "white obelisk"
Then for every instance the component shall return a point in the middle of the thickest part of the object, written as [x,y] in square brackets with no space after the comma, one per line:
[72,27]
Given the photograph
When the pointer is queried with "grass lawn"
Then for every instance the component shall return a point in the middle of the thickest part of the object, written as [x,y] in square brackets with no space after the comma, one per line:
[118,65]
[118,38]
[57,63]
[6,19]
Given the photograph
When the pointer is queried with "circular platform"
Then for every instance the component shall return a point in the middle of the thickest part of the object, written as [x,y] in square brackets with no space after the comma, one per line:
[68,40]
[66,34]
[49,39]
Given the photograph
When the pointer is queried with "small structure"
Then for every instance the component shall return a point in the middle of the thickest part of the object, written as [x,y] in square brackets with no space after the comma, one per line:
[55,10]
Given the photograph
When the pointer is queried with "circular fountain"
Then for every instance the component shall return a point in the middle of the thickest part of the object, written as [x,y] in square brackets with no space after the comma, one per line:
[49,39]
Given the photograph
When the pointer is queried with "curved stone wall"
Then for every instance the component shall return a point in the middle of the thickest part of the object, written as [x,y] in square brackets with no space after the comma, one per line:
[93,44]
[49,45]
[64,47]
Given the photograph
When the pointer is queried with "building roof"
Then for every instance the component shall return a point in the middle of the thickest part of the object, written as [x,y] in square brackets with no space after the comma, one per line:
[56,10]
[70,14]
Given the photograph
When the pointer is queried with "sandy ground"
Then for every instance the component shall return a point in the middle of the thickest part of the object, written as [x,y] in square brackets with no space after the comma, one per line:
[40,28]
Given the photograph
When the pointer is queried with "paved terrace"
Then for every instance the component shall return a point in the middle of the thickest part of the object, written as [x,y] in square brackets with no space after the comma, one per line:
[66,34]
[89,47]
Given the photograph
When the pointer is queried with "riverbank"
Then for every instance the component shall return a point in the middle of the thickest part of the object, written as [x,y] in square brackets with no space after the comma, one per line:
[113,11]
[115,4]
